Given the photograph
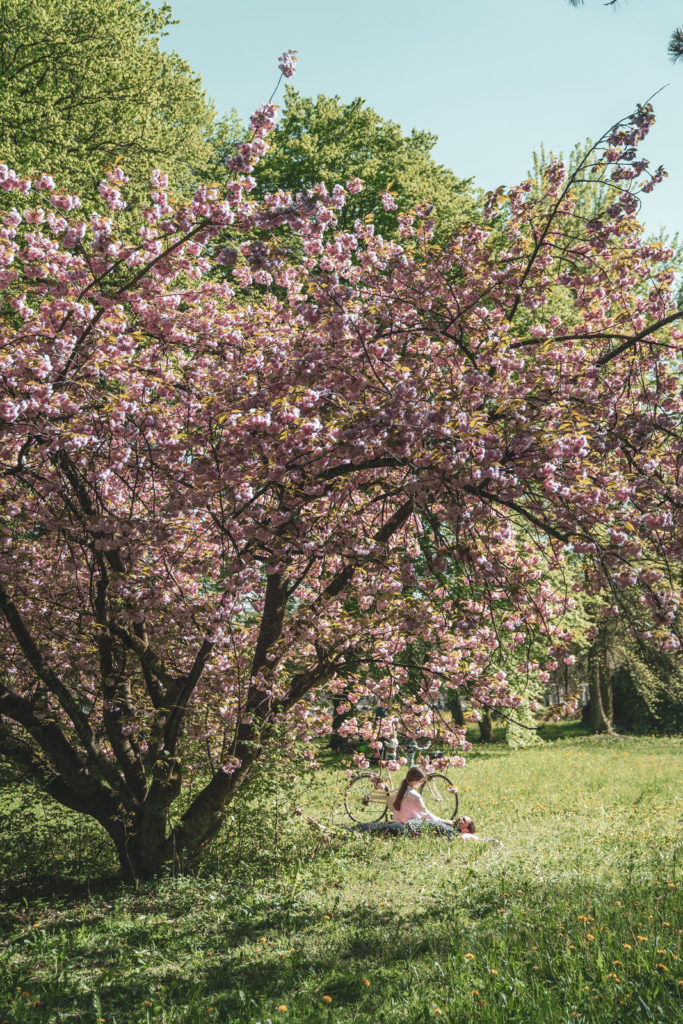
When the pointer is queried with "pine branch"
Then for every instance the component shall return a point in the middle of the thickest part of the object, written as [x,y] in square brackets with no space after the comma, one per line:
[675,48]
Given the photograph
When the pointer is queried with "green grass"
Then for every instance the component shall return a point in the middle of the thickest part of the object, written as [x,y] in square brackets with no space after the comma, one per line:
[575,918]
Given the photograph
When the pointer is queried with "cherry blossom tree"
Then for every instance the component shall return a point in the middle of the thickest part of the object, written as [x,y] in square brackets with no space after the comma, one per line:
[225,494]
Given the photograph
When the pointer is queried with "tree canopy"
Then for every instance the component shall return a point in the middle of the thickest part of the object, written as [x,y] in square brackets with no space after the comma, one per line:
[326,140]
[84,83]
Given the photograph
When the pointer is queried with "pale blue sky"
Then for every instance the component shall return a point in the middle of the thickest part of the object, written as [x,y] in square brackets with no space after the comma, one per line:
[492,78]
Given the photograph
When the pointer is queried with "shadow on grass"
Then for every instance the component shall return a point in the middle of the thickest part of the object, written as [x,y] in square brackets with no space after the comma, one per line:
[243,962]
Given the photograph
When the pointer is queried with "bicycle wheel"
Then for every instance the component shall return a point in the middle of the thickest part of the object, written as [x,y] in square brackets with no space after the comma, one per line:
[440,797]
[365,799]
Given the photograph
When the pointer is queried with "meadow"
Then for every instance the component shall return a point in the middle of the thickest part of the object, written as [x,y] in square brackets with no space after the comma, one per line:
[574,918]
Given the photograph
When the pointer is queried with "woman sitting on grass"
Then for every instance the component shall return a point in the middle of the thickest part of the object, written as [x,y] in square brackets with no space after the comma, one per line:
[408,805]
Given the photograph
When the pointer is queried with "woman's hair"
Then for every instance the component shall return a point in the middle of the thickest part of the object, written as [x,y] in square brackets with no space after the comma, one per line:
[413,775]
[466,824]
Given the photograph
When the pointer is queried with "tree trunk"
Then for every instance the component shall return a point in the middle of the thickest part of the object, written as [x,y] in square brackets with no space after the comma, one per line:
[600,690]
[455,708]
[337,742]
[486,728]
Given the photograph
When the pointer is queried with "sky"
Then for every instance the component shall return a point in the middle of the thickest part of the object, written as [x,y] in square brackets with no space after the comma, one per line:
[492,78]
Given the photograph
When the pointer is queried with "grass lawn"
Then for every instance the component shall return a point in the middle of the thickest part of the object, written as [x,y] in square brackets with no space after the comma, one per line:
[575,918]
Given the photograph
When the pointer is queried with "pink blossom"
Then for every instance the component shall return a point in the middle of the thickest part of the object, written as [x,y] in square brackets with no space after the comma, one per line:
[287,63]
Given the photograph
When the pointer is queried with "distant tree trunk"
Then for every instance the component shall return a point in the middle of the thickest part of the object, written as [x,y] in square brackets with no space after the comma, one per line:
[486,727]
[601,707]
[455,708]
[336,741]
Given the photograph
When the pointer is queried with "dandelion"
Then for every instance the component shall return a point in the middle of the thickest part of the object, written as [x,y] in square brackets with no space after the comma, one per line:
[591,938]
[282,1008]
[366,982]
[469,956]
[642,938]
[662,967]
[494,971]
[327,999]
[616,963]
[626,946]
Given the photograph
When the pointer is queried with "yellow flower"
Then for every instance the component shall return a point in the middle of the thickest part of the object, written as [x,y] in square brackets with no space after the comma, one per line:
[572,947]
[662,967]
[626,946]
[366,982]
[642,938]
[327,999]
[469,956]
[591,938]
[282,1008]
[616,963]
[494,971]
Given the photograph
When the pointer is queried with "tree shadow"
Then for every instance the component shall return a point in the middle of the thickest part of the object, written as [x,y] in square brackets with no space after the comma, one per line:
[244,959]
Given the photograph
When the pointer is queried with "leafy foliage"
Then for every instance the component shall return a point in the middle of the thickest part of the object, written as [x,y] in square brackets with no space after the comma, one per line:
[84,83]
[326,140]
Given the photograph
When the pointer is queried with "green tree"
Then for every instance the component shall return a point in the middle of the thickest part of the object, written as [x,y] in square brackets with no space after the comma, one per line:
[324,139]
[84,83]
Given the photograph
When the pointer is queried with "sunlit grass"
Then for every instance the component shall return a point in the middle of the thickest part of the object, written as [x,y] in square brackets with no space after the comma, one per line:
[576,917]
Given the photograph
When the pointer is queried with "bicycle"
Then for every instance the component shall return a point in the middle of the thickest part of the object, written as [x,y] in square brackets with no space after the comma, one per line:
[367,795]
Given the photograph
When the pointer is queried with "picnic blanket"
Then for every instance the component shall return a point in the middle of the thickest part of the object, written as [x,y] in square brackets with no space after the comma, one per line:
[408,828]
